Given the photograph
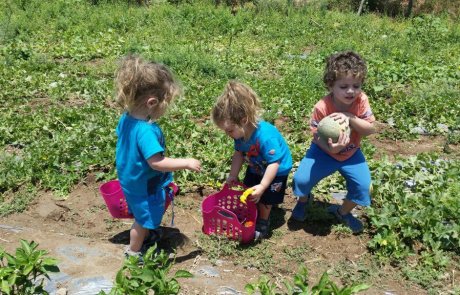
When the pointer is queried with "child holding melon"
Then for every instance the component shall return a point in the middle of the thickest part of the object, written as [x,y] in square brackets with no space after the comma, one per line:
[338,122]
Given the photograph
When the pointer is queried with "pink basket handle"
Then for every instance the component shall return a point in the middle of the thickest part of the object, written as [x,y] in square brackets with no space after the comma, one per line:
[227,186]
[225,214]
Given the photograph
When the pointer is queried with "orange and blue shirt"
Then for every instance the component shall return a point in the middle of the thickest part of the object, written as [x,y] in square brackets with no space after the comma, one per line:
[360,108]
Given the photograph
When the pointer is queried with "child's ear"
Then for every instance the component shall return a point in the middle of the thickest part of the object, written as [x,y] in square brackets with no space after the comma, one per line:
[245,121]
[152,102]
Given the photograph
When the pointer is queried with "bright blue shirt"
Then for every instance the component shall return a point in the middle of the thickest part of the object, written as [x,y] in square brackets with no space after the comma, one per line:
[265,146]
[139,140]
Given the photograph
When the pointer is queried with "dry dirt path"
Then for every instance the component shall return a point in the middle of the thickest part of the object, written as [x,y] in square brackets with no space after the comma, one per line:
[88,243]
[89,265]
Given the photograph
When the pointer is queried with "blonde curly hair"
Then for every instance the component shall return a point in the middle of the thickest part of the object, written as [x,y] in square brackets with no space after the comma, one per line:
[236,104]
[138,79]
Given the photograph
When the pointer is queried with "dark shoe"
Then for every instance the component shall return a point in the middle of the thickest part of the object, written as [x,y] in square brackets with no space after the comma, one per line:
[262,229]
[349,220]
[299,213]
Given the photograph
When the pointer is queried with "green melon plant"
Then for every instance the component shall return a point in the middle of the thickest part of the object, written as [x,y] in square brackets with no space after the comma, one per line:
[150,277]
[300,286]
[25,271]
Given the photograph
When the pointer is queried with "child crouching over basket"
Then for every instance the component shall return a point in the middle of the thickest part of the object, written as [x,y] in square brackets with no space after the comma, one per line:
[259,144]
[144,91]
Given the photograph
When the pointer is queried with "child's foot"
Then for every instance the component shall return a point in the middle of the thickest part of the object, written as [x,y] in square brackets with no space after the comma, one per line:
[262,229]
[130,253]
[349,220]
[299,212]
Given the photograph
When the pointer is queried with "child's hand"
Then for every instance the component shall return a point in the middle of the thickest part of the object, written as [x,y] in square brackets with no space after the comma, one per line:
[194,165]
[231,180]
[342,142]
[257,193]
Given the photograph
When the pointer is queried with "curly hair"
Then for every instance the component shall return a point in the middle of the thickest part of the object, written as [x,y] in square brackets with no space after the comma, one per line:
[138,79]
[342,64]
[236,104]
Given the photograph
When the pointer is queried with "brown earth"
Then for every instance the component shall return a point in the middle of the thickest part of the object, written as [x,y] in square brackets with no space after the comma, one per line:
[89,243]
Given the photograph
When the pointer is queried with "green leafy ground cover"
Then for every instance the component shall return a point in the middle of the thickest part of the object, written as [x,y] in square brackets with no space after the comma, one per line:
[57,61]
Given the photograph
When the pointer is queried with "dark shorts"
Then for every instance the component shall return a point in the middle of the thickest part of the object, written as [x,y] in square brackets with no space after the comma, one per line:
[274,193]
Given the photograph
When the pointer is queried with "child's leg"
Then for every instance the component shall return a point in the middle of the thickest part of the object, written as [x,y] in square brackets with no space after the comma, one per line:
[274,194]
[137,235]
[347,206]
[357,175]
[263,211]
[263,221]
[315,166]
[148,212]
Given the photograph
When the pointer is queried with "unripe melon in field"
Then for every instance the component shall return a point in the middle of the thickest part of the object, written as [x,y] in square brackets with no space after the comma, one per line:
[330,128]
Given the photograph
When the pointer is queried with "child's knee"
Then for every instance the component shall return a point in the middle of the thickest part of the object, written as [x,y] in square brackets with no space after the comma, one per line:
[301,185]
[364,187]
[301,180]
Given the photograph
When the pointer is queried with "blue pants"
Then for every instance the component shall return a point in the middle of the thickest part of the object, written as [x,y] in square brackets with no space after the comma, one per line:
[149,211]
[317,165]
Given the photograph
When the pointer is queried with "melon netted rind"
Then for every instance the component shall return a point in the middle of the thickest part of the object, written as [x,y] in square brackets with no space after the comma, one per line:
[330,128]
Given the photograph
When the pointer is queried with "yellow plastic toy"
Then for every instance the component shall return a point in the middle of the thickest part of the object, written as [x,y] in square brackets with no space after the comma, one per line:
[245,195]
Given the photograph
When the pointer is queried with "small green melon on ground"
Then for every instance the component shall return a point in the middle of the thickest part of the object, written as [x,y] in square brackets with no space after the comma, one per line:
[330,128]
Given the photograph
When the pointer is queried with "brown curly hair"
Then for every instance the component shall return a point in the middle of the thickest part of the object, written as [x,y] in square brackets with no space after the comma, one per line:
[237,103]
[342,64]
[138,79]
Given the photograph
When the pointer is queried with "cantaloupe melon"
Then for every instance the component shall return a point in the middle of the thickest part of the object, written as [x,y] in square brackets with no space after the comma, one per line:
[330,128]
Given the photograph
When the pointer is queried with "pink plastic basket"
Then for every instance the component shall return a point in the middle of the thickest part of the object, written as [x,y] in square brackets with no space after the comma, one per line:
[116,202]
[224,214]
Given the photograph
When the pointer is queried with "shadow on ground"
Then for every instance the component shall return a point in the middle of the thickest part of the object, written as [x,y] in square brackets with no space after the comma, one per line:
[318,222]
[172,241]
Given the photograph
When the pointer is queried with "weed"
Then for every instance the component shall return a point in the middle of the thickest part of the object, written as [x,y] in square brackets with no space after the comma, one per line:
[300,286]
[256,256]
[363,270]
[296,254]
[341,230]
[68,131]
[415,214]
[216,246]
[26,271]
[150,275]
[111,224]
[17,201]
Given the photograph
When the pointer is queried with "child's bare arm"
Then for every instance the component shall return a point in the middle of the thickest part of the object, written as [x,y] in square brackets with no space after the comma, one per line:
[237,162]
[160,163]
[269,175]
[363,127]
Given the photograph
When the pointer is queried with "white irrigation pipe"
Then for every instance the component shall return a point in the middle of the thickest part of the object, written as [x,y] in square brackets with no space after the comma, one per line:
[361,7]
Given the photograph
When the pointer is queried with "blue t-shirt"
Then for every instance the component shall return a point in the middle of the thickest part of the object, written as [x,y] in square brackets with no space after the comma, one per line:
[138,140]
[266,146]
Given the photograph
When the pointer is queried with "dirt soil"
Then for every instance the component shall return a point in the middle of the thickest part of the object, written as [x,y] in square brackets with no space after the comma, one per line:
[89,243]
